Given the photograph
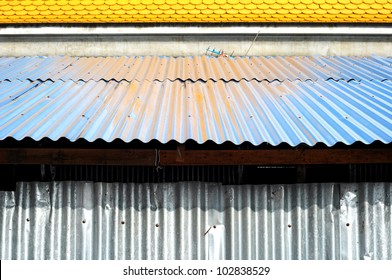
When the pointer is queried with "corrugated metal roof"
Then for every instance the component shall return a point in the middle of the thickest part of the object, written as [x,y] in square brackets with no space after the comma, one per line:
[258,112]
[84,220]
[204,68]
[271,100]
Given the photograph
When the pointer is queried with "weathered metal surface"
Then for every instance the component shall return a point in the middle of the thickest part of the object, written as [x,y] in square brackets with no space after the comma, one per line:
[258,112]
[84,220]
[155,68]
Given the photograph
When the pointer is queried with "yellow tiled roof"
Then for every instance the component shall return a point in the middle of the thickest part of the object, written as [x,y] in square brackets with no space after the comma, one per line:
[121,11]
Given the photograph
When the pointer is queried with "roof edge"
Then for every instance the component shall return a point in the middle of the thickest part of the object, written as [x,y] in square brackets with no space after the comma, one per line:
[161,29]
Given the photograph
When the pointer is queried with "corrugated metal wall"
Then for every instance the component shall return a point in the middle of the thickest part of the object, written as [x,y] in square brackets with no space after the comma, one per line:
[194,220]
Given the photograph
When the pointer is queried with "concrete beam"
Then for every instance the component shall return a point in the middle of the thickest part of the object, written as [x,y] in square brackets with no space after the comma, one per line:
[194,40]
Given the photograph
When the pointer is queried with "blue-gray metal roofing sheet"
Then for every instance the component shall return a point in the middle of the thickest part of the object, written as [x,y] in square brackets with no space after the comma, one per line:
[97,103]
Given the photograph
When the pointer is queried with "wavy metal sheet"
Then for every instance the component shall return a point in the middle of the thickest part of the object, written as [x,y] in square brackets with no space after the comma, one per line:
[84,220]
[293,112]
[154,68]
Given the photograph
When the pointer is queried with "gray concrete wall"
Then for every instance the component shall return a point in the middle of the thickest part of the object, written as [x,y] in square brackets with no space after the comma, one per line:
[186,45]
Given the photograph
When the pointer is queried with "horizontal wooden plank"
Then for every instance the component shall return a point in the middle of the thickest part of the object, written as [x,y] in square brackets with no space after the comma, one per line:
[150,157]
[78,156]
[278,157]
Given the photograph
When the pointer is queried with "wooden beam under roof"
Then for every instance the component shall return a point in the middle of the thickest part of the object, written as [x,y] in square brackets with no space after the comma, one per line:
[152,157]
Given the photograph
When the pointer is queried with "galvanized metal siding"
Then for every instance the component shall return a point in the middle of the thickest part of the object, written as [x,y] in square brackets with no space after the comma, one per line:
[258,112]
[154,68]
[83,220]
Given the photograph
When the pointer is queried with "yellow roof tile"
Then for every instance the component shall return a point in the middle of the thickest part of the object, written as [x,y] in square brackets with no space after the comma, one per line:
[219,12]
[201,7]
[188,7]
[238,6]
[347,12]
[60,12]
[94,12]
[6,8]
[288,7]
[358,12]
[313,6]
[251,6]
[333,11]
[92,8]
[194,12]
[164,7]
[140,7]
[326,6]
[169,12]
[157,12]
[263,6]
[351,6]
[376,6]
[21,13]
[145,12]
[244,12]
[371,12]
[79,11]
[115,7]
[295,11]
[363,6]
[275,6]
[38,3]
[300,6]
[339,6]
[176,7]
[232,12]
[182,12]
[13,3]
[82,13]
[33,13]
[258,11]
[385,12]
[41,8]
[9,13]
[226,7]
[213,7]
